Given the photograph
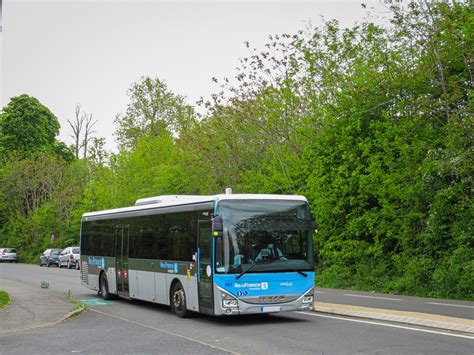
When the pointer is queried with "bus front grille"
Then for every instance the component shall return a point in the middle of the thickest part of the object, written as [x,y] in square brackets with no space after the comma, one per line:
[273,299]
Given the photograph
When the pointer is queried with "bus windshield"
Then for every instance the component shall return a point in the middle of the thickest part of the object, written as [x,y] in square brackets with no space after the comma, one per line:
[264,236]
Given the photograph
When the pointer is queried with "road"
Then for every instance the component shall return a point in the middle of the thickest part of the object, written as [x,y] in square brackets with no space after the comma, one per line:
[61,280]
[132,327]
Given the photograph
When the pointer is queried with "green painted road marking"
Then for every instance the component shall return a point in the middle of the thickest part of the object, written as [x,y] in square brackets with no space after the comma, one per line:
[96,302]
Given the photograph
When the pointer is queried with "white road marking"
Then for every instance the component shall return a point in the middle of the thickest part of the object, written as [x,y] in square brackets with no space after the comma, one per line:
[380,298]
[389,325]
[164,331]
[452,305]
[319,292]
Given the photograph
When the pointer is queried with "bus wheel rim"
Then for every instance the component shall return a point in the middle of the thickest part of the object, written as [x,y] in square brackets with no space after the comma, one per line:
[178,299]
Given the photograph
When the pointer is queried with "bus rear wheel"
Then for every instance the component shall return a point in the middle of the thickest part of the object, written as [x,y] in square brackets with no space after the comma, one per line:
[178,301]
[104,288]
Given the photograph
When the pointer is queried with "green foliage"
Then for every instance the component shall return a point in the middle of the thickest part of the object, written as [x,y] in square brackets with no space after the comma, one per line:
[5,299]
[151,168]
[374,125]
[390,172]
[27,126]
[39,197]
[153,109]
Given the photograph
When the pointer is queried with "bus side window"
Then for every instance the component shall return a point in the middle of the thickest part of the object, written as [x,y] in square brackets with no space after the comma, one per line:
[160,239]
[205,245]
[181,238]
[144,232]
[218,255]
[84,238]
[106,234]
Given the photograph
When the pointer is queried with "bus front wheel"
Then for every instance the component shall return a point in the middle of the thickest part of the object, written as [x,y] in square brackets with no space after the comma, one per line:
[104,288]
[178,301]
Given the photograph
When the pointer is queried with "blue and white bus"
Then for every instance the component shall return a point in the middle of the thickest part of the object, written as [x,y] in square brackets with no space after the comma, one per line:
[227,254]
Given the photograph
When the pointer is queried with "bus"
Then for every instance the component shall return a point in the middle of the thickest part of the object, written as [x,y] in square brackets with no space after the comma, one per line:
[228,254]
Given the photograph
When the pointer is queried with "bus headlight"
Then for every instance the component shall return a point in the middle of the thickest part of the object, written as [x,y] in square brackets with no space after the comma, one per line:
[309,296]
[229,303]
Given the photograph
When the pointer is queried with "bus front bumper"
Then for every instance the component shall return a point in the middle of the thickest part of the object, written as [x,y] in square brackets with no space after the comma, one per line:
[253,309]
[240,306]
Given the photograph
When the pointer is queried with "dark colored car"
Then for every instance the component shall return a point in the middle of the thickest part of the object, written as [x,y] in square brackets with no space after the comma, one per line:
[50,257]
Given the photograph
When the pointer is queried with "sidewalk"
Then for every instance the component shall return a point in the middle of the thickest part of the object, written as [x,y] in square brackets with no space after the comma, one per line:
[412,318]
[31,307]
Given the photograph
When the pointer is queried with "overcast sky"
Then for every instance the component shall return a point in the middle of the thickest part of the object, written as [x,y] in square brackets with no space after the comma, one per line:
[90,52]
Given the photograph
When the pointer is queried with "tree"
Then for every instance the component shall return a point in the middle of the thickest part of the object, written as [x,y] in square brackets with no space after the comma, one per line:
[27,126]
[153,110]
[30,183]
[41,194]
[82,131]
[76,127]
[390,172]
[374,125]
[88,133]
[97,152]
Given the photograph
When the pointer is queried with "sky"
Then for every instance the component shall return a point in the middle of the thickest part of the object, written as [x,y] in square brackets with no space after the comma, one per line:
[68,52]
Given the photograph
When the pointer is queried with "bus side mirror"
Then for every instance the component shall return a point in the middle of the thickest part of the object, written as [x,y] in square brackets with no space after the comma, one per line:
[217,226]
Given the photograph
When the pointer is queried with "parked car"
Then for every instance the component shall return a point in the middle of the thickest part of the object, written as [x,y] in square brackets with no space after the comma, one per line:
[8,254]
[70,257]
[50,257]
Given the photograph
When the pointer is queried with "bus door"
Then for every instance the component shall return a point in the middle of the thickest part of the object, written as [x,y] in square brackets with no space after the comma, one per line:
[121,259]
[205,267]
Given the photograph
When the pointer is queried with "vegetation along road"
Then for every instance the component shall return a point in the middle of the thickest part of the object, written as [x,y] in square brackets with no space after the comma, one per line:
[373,124]
[125,326]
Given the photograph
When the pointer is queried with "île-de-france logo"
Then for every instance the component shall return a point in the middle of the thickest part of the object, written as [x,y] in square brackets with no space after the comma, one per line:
[252,286]
[172,267]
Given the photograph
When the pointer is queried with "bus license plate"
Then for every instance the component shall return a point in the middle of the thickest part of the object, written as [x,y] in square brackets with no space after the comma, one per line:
[271,309]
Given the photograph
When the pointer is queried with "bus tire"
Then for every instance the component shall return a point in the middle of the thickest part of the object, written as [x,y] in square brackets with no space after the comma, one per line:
[178,301]
[104,287]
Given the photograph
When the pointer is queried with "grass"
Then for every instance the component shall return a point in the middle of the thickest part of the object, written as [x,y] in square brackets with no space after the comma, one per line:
[5,299]
[78,306]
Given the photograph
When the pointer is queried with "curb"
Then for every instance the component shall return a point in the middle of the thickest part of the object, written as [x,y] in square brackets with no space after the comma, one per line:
[412,318]
[68,315]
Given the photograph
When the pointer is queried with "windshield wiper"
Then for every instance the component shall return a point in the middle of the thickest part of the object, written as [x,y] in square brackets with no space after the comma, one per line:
[251,267]
[295,270]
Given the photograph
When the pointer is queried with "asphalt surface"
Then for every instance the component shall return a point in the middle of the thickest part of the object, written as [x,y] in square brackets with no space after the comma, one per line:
[31,307]
[139,327]
[62,280]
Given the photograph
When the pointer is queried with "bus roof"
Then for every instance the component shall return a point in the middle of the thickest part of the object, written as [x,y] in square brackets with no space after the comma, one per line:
[180,200]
